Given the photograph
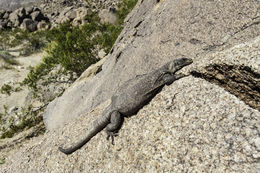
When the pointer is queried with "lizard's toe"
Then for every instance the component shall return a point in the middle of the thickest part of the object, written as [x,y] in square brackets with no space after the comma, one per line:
[112,135]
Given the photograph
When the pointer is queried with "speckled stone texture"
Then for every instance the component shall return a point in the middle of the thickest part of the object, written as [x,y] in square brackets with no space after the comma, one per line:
[155,33]
[190,126]
[200,128]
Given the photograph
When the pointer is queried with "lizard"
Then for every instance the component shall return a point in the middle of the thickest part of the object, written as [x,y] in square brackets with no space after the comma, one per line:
[130,97]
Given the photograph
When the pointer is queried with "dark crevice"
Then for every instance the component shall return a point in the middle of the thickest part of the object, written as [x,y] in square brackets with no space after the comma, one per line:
[240,81]
[138,24]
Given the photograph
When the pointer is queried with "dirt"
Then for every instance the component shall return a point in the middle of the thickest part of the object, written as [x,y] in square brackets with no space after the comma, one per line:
[13,77]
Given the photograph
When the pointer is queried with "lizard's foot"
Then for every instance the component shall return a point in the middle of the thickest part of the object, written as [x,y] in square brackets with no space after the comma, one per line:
[112,135]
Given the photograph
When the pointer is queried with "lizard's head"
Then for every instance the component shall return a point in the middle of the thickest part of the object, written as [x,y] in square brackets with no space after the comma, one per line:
[178,64]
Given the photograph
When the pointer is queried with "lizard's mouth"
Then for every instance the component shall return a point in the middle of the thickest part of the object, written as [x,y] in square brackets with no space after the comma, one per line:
[188,61]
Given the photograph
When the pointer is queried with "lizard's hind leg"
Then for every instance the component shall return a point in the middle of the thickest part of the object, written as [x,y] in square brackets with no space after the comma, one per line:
[113,126]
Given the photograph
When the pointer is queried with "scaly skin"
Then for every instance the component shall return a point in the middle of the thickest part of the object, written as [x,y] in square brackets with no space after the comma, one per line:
[131,97]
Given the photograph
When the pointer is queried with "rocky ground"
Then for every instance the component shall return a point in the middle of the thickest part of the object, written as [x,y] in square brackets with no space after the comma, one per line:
[41,16]
[206,122]
[14,4]
[14,76]
[188,127]
[15,106]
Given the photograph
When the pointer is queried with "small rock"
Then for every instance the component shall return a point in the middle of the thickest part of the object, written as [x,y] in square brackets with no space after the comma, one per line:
[36,9]
[9,24]
[66,10]
[6,15]
[3,24]
[14,18]
[220,76]
[2,13]
[43,6]
[72,14]
[76,22]
[20,12]
[63,19]
[28,10]
[257,143]
[101,54]
[82,12]
[42,25]
[13,109]
[107,17]
[256,156]
[37,16]
[29,24]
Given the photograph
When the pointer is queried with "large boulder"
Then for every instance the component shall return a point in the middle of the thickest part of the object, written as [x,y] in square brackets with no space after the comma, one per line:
[17,16]
[191,125]
[107,16]
[6,15]
[2,13]
[206,122]
[81,14]
[154,34]
[29,24]
[37,16]
[42,25]
[71,14]
[3,24]
[21,12]
[28,10]
[15,19]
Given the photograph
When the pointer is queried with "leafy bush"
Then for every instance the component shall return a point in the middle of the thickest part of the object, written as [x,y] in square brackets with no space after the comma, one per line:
[8,58]
[2,161]
[12,38]
[6,89]
[125,7]
[74,48]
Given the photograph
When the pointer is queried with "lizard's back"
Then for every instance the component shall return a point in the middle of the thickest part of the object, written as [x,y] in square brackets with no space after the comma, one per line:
[135,93]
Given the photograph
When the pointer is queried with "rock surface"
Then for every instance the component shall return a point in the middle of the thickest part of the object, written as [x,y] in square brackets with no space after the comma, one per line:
[193,125]
[14,4]
[199,128]
[25,18]
[59,11]
[154,34]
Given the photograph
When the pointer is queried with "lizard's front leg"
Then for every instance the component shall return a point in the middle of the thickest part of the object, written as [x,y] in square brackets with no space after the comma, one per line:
[112,127]
[170,78]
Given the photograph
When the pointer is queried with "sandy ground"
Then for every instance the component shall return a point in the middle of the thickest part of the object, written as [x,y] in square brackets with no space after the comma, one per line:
[16,75]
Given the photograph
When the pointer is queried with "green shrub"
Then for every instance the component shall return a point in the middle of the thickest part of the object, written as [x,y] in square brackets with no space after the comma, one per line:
[2,161]
[36,73]
[30,119]
[125,7]
[32,41]
[74,47]
[6,89]
[8,58]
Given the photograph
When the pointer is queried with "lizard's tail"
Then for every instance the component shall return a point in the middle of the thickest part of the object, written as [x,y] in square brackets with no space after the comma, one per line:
[97,126]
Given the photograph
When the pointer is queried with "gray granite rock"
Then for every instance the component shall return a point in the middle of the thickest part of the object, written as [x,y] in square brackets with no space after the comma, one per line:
[191,126]
[154,34]
[6,15]
[107,16]
[42,25]
[15,19]
[37,16]
[188,127]
[29,24]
